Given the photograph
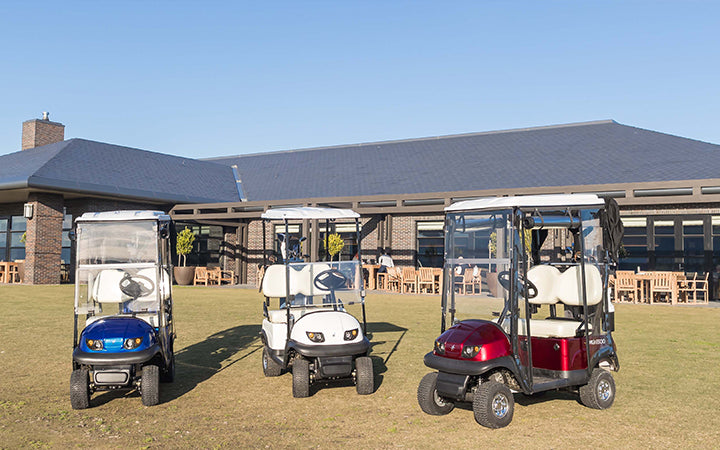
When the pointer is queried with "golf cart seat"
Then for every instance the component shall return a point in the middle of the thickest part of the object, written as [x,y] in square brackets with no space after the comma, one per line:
[545,278]
[301,281]
[105,288]
[568,290]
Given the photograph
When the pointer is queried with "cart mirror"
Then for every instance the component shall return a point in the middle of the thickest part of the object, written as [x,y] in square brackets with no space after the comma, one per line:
[164,230]
[72,235]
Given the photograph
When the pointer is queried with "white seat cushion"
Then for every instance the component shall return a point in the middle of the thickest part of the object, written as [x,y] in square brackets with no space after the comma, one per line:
[545,278]
[548,328]
[569,284]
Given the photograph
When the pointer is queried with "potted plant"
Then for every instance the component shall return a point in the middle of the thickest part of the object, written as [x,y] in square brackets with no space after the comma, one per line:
[334,245]
[183,274]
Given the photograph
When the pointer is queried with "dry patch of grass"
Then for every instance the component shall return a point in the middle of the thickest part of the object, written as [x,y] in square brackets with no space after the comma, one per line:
[668,394]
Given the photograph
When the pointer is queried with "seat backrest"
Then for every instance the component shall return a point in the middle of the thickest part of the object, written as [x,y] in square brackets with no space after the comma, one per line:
[625,279]
[425,275]
[106,287]
[545,278]
[569,285]
[468,275]
[408,273]
[662,281]
[303,282]
[201,273]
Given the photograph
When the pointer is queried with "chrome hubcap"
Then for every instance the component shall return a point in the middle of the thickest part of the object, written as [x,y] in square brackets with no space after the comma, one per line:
[500,406]
[604,390]
[438,400]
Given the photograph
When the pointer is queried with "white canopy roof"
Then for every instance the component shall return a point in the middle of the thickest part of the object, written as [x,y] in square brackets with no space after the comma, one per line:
[309,212]
[527,201]
[122,215]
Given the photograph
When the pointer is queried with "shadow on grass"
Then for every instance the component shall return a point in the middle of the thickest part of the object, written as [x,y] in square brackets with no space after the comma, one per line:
[380,362]
[199,362]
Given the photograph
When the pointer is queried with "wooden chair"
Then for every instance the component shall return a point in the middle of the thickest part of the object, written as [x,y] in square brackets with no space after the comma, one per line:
[227,276]
[467,281]
[13,275]
[626,289]
[701,287]
[394,277]
[686,288]
[409,280]
[426,280]
[201,276]
[662,287]
[381,281]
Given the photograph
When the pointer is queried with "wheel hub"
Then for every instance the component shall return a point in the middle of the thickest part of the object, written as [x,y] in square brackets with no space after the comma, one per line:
[604,390]
[439,400]
[499,406]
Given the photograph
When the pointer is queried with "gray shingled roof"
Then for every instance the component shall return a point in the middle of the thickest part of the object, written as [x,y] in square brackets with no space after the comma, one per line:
[590,153]
[79,165]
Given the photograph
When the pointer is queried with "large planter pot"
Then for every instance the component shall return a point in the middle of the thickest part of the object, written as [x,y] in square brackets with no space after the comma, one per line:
[184,275]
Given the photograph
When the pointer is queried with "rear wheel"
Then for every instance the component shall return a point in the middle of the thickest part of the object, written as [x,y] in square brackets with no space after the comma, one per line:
[429,399]
[301,378]
[364,377]
[493,405]
[270,367]
[150,385]
[599,393]
[79,389]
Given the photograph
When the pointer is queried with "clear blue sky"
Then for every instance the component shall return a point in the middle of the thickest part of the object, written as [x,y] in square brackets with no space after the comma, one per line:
[210,78]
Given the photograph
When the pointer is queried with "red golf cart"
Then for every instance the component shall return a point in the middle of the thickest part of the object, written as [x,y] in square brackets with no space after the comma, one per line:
[542,320]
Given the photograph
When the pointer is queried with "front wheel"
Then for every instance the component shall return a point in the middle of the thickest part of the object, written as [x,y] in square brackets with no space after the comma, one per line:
[150,385]
[599,393]
[270,367]
[79,389]
[493,405]
[429,399]
[364,377]
[301,378]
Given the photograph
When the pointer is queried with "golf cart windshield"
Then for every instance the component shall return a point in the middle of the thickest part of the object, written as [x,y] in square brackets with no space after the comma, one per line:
[319,284]
[118,270]
[492,251]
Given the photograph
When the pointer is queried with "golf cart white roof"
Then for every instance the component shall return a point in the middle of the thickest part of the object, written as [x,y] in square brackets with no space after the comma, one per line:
[526,201]
[309,212]
[122,216]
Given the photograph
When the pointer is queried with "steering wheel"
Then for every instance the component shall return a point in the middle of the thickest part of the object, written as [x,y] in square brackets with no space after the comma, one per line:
[329,280]
[504,280]
[134,289]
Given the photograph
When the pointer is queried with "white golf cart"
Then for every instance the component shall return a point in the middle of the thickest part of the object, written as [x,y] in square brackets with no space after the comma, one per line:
[312,333]
[124,335]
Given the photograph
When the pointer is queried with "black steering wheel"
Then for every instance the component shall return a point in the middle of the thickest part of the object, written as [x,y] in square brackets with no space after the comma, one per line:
[504,280]
[134,289]
[329,280]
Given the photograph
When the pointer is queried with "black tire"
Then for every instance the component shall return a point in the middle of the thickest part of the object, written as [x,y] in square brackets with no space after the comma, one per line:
[150,385]
[167,374]
[364,377]
[301,378]
[429,400]
[79,389]
[493,405]
[270,367]
[599,393]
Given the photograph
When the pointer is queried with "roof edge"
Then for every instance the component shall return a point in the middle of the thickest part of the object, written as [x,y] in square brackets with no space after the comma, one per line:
[428,138]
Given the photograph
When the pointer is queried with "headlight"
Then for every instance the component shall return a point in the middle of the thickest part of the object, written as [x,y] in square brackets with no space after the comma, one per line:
[95,344]
[315,337]
[350,334]
[470,351]
[132,343]
[439,348]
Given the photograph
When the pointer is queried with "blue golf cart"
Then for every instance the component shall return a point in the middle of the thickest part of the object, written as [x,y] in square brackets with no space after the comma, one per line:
[124,334]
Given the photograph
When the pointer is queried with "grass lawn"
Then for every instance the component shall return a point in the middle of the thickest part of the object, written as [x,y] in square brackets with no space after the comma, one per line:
[668,394]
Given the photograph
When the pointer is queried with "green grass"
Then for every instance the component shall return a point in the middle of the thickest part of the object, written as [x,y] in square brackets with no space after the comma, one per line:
[667,389]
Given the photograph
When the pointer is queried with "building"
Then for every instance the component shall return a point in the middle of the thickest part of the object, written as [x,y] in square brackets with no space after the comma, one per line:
[668,188]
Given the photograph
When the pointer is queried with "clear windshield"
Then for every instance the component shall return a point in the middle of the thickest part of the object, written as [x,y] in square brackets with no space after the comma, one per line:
[117,242]
[316,284]
[478,249]
[118,268]
[120,289]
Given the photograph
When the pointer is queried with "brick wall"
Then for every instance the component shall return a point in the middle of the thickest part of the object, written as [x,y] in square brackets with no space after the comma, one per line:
[38,132]
[44,239]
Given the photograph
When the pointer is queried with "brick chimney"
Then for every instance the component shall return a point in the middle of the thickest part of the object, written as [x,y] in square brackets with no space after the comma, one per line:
[37,132]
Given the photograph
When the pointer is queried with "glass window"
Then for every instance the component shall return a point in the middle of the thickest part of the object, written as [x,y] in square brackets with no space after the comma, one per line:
[665,245]
[207,245]
[431,243]
[634,251]
[18,225]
